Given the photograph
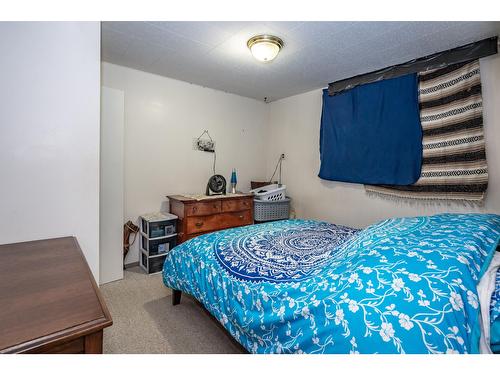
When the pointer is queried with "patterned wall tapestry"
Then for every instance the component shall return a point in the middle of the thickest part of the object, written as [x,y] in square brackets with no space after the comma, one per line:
[454,158]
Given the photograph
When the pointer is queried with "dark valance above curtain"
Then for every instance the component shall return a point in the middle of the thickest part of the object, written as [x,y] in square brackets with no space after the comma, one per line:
[461,54]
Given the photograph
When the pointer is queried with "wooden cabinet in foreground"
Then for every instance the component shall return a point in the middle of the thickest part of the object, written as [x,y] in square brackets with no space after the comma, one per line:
[49,300]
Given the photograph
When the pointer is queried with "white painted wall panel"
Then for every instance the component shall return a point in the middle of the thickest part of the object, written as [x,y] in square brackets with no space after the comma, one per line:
[162,116]
[111,186]
[49,133]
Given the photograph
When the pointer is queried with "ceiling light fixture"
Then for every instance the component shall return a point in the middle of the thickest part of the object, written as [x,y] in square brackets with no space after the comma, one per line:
[265,47]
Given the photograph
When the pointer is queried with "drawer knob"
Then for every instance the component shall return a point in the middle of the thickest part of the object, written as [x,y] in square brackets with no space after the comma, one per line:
[199,224]
[195,208]
[241,216]
[215,206]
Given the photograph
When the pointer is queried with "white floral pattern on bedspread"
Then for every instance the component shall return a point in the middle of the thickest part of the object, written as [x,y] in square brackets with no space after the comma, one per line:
[404,285]
[495,299]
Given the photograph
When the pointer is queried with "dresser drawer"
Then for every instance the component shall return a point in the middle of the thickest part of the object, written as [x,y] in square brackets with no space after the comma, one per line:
[236,205]
[203,208]
[216,222]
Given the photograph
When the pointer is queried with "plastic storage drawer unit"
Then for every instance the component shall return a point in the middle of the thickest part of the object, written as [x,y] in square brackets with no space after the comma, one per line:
[158,245]
[152,264]
[158,224]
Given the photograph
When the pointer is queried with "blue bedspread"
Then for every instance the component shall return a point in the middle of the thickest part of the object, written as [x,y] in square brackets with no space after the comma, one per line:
[495,316]
[403,285]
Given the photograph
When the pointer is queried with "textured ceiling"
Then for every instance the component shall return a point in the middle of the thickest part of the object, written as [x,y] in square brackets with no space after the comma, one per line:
[214,54]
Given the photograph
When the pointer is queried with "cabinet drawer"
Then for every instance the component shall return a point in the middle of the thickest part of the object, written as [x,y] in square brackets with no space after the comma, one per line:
[76,346]
[203,208]
[216,222]
[236,205]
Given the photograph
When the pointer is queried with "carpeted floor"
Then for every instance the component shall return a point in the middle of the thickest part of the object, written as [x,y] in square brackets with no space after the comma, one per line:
[144,320]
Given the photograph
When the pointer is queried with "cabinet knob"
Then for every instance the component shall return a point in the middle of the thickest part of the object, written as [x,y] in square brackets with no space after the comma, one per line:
[199,224]
[195,208]
[215,206]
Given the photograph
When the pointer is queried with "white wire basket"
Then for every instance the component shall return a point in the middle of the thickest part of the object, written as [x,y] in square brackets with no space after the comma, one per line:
[273,192]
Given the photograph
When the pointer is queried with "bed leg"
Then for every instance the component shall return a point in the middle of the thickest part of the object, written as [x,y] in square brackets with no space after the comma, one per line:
[176,297]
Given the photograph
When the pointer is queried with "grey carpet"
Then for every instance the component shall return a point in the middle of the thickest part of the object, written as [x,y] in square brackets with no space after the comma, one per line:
[144,320]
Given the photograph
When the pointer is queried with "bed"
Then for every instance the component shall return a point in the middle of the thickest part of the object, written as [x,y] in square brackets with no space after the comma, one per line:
[404,285]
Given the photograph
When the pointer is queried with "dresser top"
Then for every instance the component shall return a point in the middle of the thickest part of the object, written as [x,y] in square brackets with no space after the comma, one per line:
[202,197]
[47,294]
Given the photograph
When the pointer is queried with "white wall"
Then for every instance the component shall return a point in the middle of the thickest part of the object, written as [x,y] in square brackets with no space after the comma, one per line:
[294,129]
[49,133]
[111,185]
[162,116]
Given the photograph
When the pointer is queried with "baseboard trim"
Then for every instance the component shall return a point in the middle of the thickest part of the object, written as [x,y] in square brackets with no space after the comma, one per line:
[129,265]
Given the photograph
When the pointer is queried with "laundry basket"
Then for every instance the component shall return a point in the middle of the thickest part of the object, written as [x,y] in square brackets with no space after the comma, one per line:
[273,192]
[271,210]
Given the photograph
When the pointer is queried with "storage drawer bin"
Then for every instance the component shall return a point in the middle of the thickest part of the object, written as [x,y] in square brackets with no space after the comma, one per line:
[152,264]
[271,210]
[158,245]
[158,224]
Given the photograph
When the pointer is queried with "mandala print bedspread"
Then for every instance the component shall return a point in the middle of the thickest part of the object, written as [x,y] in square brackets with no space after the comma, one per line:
[400,286]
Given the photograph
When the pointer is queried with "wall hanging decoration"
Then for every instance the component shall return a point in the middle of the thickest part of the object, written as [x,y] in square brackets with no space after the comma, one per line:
[204,144]
[216,184]
[453,158]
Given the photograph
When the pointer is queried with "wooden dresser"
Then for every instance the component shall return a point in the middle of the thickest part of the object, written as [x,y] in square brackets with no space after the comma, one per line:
[200,215]
[49,301]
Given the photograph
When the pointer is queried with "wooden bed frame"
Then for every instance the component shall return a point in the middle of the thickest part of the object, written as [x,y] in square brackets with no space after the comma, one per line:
[176,297]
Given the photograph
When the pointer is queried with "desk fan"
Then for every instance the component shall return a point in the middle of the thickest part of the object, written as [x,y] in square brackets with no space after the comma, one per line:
[216,185]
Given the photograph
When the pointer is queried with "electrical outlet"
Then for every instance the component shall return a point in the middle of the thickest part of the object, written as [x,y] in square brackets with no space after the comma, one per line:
[282,156]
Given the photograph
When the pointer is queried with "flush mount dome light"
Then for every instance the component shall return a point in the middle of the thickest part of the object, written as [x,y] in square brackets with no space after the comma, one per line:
[265,47]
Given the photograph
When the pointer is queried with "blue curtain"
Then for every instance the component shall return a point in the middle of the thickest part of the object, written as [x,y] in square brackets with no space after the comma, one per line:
[371,134]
